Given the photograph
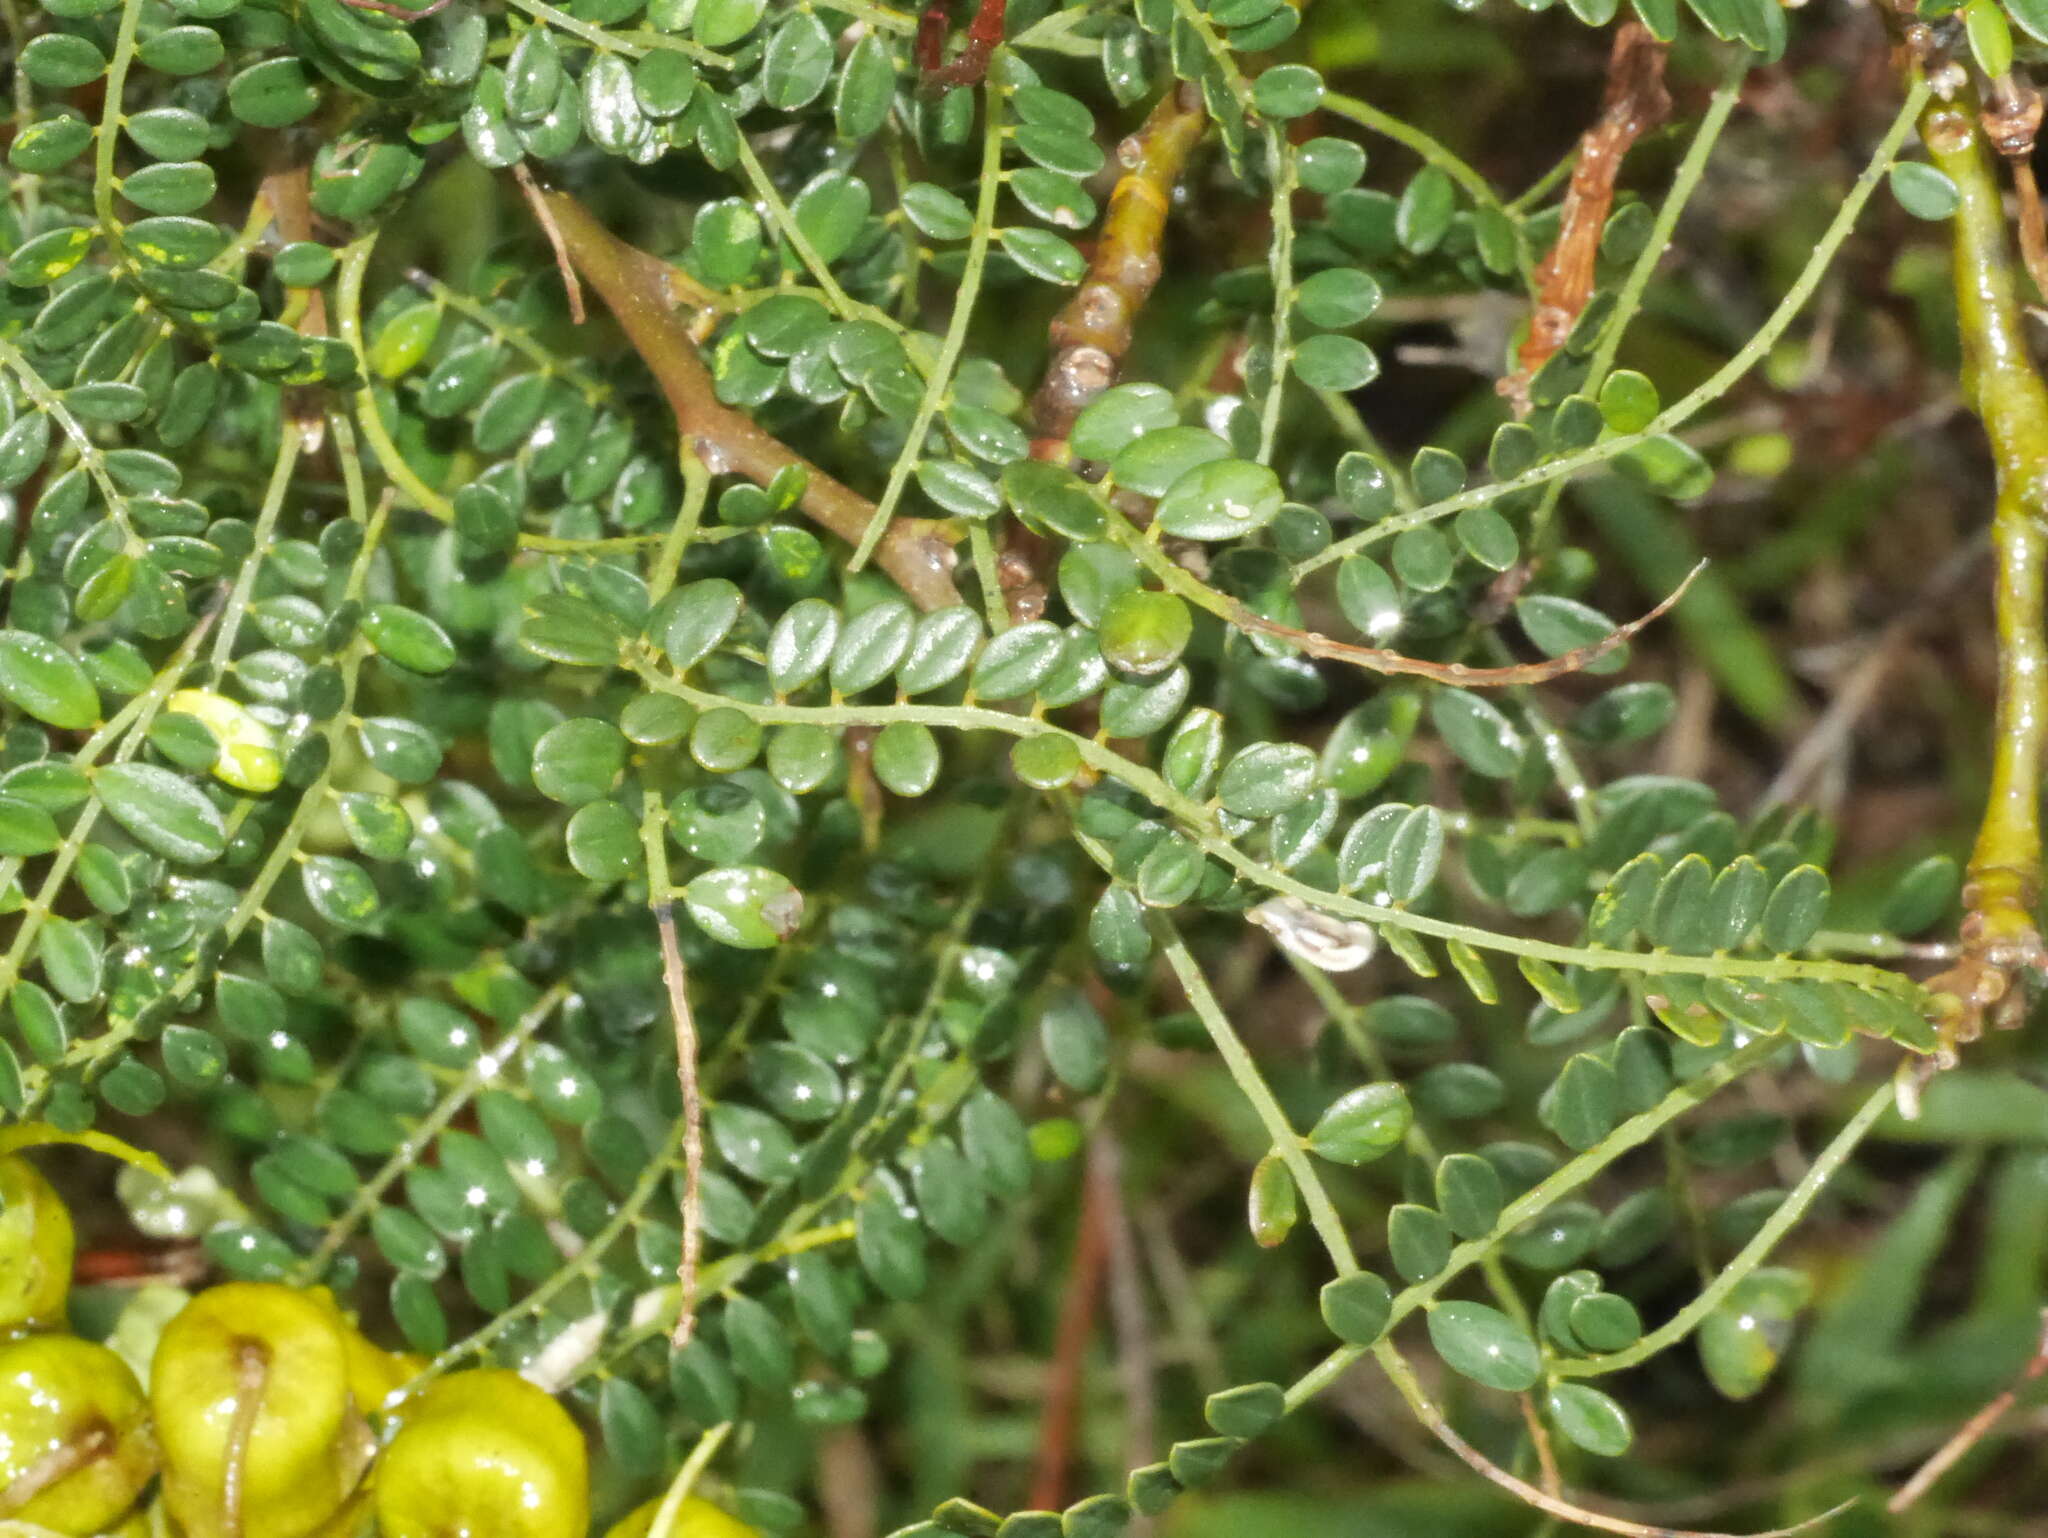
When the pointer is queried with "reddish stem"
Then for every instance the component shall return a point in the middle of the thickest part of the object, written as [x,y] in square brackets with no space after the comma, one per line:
[983,33]
[1070,1347]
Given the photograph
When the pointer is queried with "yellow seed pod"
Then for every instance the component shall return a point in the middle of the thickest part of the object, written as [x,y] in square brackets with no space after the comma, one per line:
[483,1455]
[35,1248]
[261,1437]
[374,1374]
[697,1518]
[248,759]
[75,1446]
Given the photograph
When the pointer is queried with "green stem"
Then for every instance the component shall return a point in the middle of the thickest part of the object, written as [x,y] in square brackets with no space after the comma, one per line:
[47,400]
[1244,1072]
[1684,183]
[1753,1254]
[110,125]
[606,41]
[408,1153]
[696,490]
[1284,182]
[669,1513]
[1538,1199]
[1387,126]
[288,445]
[44,902]
[2007,390]
[786,226]
[348,306]
[1752,352]
[940,380]
[1199,823]
[518,338]
[981,547]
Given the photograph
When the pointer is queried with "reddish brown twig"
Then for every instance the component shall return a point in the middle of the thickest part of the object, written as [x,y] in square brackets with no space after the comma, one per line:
[635,287]
[1636,102]
[1092,331]
[983,33]
[1972,1431]
[530,190]
[1379,660]
[183,1265]
[2012,121]
[1070,1347]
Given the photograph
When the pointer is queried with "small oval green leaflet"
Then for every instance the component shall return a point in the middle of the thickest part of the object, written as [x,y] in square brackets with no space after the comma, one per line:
[1589,1419]
[408,638]
[1222,500]
[1923,191]
[164,811]
[746,906]
[1357,1308]
[1273,1204]
[1742,1340]
[798,62]
[1363,1124]
[61,61]
[49,143]
[906,757]
[1266,778]
[46,681]
[1483,1344]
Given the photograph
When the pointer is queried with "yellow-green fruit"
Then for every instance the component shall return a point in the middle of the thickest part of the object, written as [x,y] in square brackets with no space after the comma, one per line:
[697,1518]
[255,1375]
[75,1449]
[35,1248]
[483,1455]
[374,1374]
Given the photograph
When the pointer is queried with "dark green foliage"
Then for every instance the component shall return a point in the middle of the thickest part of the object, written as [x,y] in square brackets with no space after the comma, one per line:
[403,718]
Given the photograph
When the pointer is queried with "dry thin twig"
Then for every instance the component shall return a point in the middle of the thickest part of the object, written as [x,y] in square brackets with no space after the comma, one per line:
[1972,1431]
[1379,660]
[1127,1307]
[1539,1438]
[537,201]
[402,12]
[677,982]
[1557,1506]
[635,287]
[1856,694]
[1636,102]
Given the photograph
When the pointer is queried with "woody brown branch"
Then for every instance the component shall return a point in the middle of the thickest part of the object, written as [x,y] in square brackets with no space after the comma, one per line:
[635,288]
[1635,102]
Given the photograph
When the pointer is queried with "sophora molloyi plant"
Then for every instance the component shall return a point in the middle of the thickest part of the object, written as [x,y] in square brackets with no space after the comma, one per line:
[654,649]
